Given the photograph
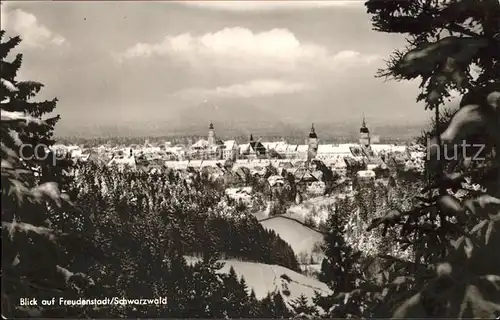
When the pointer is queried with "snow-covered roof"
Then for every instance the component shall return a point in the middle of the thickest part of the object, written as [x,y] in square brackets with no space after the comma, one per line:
[381,147]
[230,144]
[269,145]
[195,163]
[244,147]
[334,149]
[281,147]
[302,148]
[125,161]
[366,174]
[377,148]
[265,162]
[292,148]
[209,163]
[241,162]
[273,180]
[286,164]
[399,149]
[339,163]
[177,165]
[202,143]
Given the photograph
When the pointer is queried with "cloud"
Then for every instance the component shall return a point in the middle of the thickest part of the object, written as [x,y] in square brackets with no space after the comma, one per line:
[33,33]
[251,89]
[244,6]
[240,48]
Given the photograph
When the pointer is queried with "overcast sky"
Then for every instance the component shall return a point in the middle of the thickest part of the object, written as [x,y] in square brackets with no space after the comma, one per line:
[109,62]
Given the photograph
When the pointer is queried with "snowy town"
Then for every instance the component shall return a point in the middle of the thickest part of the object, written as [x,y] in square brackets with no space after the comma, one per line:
[300,160]
[216,156]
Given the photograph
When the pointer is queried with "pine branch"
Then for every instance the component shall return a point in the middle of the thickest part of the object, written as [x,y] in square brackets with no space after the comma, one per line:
[7,46]
[9,69]
[26,228]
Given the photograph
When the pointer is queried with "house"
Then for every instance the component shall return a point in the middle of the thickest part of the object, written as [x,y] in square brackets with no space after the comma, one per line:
[303,175]
[230,150]
[195,164]
[253,150]
[257,150]
[365,175]
[275,180]
[177,165]
[123,162]
[329,151]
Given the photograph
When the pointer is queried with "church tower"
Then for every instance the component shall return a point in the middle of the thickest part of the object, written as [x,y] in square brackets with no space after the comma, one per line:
[312,143]
[364,134]
[211,135]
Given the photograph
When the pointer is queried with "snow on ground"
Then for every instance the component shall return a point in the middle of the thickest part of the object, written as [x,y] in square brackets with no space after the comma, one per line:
[311,270]
[259,215]
[302,239]
[304,210]
[264,278]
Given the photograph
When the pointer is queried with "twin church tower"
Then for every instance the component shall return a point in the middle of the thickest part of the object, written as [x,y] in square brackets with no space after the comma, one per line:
[364,139]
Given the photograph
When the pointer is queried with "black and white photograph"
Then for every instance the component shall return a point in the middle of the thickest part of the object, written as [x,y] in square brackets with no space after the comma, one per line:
[289,159]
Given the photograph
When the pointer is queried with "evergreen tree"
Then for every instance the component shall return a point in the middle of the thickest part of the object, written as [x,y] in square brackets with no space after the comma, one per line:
[243,299]
[280,309]
[179,284]
[301,306]
[208,290]
[267,307]
[339,269]
[454,46]
[254,309]
[232,289]
[33,264]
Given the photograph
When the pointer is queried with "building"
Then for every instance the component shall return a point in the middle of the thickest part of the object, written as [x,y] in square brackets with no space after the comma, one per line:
[312,144]
[364,135]
[211,135]
[254,149]
[230,150]
[123,162]
[330,152]
[209,149]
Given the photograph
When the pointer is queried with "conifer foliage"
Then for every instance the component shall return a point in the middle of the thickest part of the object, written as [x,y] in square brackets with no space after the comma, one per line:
[339,269]
[33,264]
[453,230]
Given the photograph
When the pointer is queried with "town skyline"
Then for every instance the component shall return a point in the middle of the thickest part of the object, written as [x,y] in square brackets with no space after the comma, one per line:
[171,67]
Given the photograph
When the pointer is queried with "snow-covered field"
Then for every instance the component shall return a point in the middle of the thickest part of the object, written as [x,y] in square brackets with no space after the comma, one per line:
[264,278]
[302,239]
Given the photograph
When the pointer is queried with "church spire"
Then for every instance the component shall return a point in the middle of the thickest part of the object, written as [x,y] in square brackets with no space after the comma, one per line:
[364,128]
[312,134]
[364,134]
[211,127]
